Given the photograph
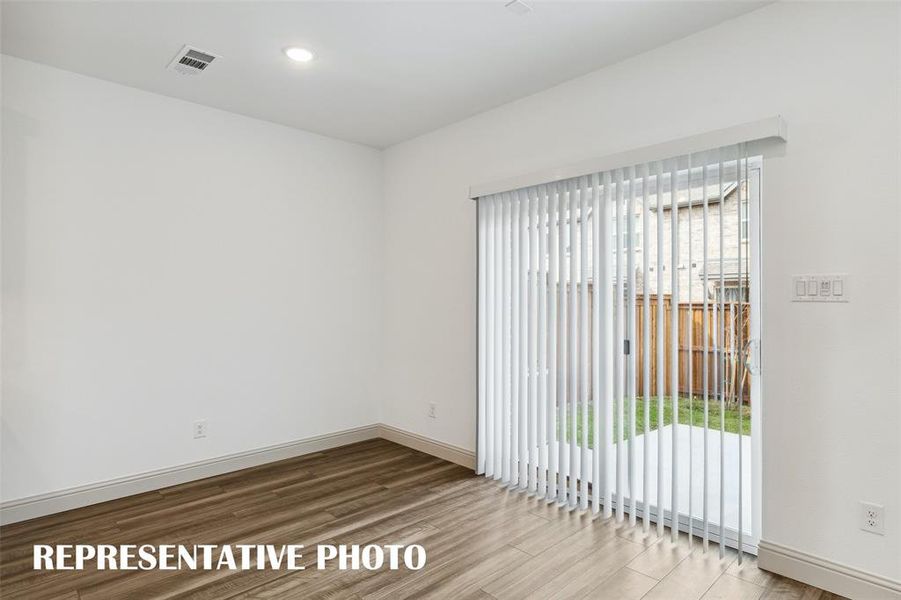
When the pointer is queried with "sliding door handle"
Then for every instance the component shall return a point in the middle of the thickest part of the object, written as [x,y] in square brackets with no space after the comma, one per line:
[752,357]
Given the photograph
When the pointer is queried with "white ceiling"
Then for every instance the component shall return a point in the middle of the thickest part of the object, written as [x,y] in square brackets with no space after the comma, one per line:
[384,72]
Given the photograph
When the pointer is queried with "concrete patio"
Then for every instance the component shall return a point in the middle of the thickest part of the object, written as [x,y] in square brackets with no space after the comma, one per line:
[691,445]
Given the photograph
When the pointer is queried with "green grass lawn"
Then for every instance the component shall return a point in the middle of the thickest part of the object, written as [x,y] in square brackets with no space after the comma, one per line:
[689,412]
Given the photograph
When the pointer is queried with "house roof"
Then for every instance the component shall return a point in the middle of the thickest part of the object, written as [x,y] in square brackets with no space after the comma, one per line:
[697,196]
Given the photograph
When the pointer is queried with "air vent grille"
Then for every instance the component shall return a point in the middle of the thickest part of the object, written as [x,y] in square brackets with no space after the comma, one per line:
[197,64]
[191,61]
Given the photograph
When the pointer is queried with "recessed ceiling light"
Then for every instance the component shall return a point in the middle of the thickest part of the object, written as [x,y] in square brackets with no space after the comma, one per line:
[299,54]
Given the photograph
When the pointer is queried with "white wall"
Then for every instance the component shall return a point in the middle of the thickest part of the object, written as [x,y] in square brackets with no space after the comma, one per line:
[831,424]
[165,262]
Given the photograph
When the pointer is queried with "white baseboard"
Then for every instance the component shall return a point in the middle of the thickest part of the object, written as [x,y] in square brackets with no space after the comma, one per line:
[54,502]
[826,574]
[448,452]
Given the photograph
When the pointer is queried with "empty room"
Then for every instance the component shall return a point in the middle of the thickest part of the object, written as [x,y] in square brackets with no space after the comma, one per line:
[489,299]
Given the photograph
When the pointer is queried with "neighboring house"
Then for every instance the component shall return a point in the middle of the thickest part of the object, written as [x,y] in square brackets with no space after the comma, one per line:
[690,262]
[690,259]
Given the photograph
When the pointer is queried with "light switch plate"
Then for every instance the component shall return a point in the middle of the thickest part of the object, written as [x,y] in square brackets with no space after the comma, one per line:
[826,287]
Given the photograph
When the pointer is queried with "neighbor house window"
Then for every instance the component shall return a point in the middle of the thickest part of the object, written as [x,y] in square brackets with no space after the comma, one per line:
[745,227]
[636,232]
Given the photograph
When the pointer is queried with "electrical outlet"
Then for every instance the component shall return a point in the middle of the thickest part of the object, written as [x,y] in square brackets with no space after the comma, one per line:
[433,410]
[200,429]
[872,517]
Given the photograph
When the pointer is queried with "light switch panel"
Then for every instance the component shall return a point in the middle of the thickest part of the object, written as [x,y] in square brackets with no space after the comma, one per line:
[831,287]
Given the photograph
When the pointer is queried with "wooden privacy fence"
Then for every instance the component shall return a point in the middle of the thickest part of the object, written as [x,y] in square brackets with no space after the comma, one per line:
[726,327]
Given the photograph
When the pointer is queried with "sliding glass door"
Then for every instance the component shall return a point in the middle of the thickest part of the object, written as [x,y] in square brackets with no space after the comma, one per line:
[618,336]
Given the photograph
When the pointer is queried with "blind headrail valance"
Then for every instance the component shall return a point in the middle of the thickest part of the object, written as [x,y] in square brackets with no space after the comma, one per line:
[756,135]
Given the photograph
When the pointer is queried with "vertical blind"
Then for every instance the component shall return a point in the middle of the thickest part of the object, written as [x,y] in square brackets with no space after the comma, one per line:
[583,285]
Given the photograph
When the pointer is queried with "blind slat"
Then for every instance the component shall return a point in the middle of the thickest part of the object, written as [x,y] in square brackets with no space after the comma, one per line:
[596,405]
[562,363]
[646,346]
[619,373]
[543,395]
[721,359]
[661,356]
[584,330]
[674,351]
[531,280]
[552,357]
[573,323]
[690,364]
[630,335]
[512,427]
[705,336]
[607,344]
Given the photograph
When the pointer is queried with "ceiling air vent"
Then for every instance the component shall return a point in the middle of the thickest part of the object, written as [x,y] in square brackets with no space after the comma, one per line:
[518,7]
[191,61]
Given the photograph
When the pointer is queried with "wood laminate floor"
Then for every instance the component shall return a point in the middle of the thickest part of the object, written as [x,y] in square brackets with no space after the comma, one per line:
[482,541]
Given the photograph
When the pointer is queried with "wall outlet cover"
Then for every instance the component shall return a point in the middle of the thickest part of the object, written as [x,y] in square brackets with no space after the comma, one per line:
[200,429]
[872,517]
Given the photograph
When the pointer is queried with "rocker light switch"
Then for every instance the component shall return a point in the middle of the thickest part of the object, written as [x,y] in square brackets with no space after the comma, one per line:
[837,287]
